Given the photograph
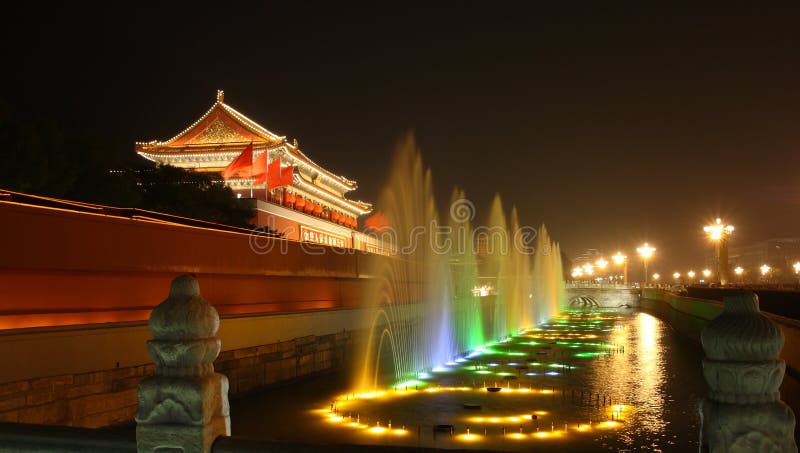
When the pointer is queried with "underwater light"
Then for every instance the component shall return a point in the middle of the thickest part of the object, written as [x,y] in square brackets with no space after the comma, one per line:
[468,437]
[413,383]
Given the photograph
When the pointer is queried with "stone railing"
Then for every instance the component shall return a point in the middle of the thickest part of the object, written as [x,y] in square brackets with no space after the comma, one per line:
[743,411]
[184,405]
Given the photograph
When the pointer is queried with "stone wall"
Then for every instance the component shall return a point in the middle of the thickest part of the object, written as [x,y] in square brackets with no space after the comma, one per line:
[108,397]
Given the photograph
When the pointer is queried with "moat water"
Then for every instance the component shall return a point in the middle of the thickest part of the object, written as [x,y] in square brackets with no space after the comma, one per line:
[592,380]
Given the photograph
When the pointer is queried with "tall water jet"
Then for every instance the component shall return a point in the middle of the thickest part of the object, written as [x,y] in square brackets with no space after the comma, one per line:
[496,264]
[467,306]
[549,293]
[520,305]
[411,302]
[424,309]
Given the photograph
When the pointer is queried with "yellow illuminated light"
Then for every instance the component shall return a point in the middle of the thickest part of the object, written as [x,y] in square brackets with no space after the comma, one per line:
[601,263]
[739,270]
[765,269]
[608,424]
[468,437]
[518,436]
[717,230]
[706,273]
[619,258]
[646,251]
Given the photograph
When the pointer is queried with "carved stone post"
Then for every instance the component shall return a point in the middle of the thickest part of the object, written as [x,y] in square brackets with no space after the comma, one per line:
[183,407]
[743,411]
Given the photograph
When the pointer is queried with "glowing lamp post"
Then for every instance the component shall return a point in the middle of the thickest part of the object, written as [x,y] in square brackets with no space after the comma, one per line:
[677,276]
[601,266]
[738,271]
[656,276]
[706,273]
[577,273]
[719,233]
[622,260]
[646,253]
[691,275]
[765,270]
[796,267]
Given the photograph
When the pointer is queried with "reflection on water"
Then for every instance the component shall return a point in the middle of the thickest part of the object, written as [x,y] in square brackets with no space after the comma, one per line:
[618,381]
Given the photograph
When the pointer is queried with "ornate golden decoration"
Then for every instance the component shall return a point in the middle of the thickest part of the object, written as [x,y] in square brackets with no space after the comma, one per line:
[219,132]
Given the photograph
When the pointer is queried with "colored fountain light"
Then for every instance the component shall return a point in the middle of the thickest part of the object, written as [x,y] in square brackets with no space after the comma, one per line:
[530,388]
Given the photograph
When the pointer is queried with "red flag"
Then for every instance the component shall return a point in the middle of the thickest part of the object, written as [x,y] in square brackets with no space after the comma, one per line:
[242,165]
[376,222]
[274,174]
[260,169]
[287,175]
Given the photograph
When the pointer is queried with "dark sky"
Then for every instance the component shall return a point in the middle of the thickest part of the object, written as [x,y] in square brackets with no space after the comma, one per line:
[612,122]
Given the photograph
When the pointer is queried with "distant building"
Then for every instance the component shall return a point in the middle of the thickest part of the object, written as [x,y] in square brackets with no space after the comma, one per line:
[779,254]
[312,208]
[589,256]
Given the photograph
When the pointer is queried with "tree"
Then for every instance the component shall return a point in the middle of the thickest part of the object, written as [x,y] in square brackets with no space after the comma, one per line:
[39,158]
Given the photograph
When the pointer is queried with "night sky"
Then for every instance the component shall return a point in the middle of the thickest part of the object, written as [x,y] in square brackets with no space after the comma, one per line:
[612,122]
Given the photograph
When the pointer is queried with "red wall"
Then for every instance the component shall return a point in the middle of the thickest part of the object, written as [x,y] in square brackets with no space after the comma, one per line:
[61,267]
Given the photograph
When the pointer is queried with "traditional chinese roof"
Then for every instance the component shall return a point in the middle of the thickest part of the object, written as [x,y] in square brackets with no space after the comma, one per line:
[223,131]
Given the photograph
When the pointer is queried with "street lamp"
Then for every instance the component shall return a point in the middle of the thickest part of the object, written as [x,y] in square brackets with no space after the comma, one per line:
[691,275]
[601,263]
[796,267]
[676,275]
[719,233]
[646,252]
[622,260]
[738,271]
[765,270]
[656,277]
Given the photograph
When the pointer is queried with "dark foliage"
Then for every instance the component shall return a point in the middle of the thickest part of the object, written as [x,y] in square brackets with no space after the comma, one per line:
[37,157]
